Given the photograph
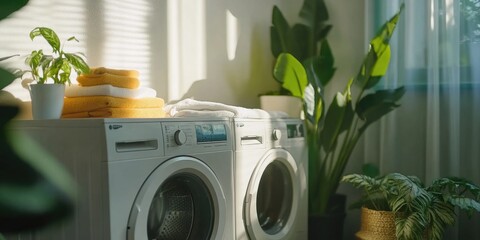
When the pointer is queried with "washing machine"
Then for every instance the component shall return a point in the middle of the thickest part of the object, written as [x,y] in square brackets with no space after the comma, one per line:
[143,178]
[271,167]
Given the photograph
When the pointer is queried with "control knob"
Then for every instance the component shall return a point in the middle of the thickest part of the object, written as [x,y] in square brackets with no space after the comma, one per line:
[180,137]
[276,134]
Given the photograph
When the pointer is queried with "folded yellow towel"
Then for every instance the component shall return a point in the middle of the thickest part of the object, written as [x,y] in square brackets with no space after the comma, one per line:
[90,103]
[107,78]
[119,113]
[119,72]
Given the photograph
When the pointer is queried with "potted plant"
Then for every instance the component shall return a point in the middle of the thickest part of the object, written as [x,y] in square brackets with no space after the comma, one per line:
[307,42]
[32,195]
[334,133]
[418,211]
[54,68]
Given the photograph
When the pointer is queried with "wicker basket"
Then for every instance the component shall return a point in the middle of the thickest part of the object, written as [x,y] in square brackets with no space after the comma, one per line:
[376,225]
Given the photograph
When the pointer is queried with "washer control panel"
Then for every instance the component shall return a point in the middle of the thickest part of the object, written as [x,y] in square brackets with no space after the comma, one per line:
[295,130]
[187,137]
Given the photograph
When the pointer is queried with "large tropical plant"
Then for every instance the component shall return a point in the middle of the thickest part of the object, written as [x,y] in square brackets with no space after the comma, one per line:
[34,189]
[306,41]
[421,212]
[332,135]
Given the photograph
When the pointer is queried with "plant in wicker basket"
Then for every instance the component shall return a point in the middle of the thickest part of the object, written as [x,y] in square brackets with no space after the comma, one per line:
[420,212]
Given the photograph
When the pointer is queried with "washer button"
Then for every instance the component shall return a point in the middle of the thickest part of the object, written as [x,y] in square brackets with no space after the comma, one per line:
[180,137]
[276,134]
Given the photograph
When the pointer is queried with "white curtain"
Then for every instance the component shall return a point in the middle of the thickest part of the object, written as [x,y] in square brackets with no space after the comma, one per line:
[436,131]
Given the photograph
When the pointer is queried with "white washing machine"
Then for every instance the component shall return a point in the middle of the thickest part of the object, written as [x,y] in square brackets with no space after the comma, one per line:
[271,167]
[143,178]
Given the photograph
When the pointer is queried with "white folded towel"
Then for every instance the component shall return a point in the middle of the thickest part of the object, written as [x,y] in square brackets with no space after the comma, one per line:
[75,90]
[193,108]
[204,113]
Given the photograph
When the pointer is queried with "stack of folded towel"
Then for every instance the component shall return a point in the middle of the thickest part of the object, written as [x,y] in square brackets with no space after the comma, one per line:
[114,93]
[193,108]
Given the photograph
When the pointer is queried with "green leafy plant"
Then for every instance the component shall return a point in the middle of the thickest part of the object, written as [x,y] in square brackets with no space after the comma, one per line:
[333,135]
[58,65]
[307,42]
[34,189]
[6,77]
[420,212]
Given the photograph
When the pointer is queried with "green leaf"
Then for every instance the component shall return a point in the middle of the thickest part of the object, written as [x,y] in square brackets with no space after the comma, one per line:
[6,78]
[33,60]
[374,106]
[299,33]
[314,12]
[337,119]
[377,60]
[383,60]
[465,203]
[78,63]
[281,39]
[291,73]
[54,69]
[320,69]
[412,227]
[323,31]
[72,38]
[49,35]
[66,71]
[361,181]
[8,7]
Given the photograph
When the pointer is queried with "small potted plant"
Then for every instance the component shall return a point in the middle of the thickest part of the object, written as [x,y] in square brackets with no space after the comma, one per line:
[415,211]
[54,69]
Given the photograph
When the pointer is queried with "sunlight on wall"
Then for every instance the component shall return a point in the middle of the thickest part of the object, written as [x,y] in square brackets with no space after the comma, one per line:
[67,18]
[186,45]
[232,35]
[127,43]
[173,49]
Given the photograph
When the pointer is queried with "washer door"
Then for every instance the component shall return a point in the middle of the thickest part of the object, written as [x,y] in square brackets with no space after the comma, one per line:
[272,197]
[181,199]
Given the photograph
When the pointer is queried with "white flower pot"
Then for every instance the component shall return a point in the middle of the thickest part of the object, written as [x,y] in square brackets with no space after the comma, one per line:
[288,104]
[47,100]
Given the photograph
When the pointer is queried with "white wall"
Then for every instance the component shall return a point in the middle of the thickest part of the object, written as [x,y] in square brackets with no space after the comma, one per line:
[216,50]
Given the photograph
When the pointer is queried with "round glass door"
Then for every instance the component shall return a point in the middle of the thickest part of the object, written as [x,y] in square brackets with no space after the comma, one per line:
[181,199]
[271,203]
[274,198]
[181,208]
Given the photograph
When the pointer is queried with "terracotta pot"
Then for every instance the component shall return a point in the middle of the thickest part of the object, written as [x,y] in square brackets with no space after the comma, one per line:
[376,225]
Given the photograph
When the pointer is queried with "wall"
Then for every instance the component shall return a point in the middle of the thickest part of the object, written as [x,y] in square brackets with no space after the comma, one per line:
[217,50]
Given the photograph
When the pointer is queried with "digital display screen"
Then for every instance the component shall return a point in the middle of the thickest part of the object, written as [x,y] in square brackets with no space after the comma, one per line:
[295,130]
[210,133]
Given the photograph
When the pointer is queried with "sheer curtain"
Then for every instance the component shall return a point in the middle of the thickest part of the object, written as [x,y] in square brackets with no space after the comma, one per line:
[436,131]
